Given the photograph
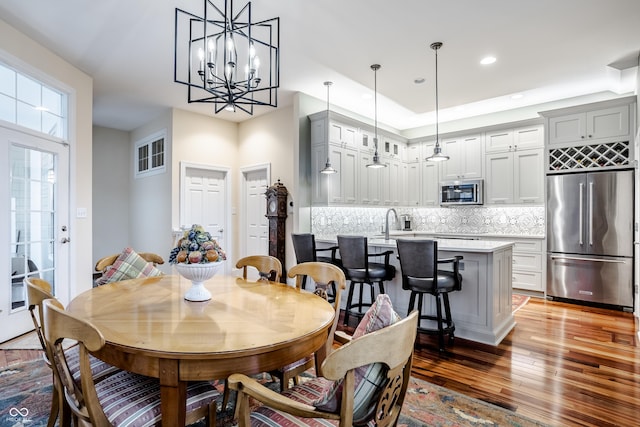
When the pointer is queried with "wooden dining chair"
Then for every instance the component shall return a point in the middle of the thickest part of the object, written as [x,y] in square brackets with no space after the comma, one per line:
[269,267]
[324,275]
[379,359]
[121,399]
[39,290]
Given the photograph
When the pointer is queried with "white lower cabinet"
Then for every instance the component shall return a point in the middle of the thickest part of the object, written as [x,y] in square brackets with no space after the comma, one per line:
[528,264]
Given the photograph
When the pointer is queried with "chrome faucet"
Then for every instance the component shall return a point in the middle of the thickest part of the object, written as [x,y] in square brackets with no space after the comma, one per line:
[386,224]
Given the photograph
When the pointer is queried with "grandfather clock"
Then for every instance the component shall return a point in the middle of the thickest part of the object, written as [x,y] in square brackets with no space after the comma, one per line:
[277,214]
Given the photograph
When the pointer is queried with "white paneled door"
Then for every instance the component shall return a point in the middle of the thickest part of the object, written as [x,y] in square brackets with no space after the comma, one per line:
[205,202]
[256,223]
[34,216]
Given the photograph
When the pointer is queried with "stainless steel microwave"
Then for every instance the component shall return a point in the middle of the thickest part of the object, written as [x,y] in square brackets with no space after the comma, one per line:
[467,192]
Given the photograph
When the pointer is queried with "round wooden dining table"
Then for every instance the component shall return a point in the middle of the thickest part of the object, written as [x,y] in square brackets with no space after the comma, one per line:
[246,327]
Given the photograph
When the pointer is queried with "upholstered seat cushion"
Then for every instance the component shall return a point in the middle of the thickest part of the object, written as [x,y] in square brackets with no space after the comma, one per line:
[99,368]
[446,283]
[128,265]
[308,392]
[375,272]
[130,399]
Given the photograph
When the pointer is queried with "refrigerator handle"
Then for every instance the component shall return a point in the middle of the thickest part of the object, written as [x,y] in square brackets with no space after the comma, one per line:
[580,216]
[590,213]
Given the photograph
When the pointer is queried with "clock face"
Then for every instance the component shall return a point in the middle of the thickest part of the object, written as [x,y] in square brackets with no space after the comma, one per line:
[272,206]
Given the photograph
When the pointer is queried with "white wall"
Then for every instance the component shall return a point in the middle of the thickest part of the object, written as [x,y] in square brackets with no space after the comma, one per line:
[271,138]
[111,191]
[27,55]
[208,141]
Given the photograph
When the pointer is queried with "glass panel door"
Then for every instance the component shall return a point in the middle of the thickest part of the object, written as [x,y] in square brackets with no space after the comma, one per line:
[34,192]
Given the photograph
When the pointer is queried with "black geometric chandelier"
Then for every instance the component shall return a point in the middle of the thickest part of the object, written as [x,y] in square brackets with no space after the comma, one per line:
[226,59]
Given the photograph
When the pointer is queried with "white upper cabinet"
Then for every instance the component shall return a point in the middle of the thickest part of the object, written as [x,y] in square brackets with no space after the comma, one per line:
[413,183]
[528,176]
[413,153]
[339,188]
[599,124]
[342,134]
[515,177]
[429,178]
[514,139]
[391,148]
[370,181]
[466,155]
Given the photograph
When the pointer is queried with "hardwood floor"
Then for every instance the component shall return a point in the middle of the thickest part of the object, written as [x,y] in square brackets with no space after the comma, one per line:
[563,364]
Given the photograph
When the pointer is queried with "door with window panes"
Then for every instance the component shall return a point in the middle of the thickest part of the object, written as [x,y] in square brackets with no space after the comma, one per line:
[34,195]
[34,191]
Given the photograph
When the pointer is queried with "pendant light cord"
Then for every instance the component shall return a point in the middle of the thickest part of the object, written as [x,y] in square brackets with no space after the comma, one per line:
[375,103]
[437,120]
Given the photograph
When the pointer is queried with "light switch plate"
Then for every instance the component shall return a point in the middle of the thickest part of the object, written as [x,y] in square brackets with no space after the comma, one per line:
[81,212]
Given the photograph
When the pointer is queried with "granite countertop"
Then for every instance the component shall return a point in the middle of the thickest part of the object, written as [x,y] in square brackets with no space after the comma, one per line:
[460,235]
[459,245]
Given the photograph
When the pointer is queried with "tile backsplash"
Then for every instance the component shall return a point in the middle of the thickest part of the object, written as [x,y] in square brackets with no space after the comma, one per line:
[510,221]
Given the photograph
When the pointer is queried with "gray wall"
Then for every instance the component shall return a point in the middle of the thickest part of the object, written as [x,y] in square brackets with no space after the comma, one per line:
[111,172]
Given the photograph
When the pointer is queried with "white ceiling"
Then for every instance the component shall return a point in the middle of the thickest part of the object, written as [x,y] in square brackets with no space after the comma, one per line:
[545,49]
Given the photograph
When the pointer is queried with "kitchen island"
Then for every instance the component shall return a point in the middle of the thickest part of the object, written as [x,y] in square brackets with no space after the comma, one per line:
[482,309]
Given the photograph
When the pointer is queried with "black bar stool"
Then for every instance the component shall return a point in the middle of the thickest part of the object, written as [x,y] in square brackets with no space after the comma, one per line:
[304,246]
[354,252]
[420,275]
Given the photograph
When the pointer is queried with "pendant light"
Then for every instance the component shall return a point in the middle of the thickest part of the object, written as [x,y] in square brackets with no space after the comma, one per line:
[437,155]
[376,158]
[328,169]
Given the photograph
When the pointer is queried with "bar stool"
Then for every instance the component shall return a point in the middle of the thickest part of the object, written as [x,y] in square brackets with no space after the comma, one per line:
[354,253]
[304,246]
[420,275]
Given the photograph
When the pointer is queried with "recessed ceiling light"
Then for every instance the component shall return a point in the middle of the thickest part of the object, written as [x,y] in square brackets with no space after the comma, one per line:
[488,60]
[517,96]
[419,80]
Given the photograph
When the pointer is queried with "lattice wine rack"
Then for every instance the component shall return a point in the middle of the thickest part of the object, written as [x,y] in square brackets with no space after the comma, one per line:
[612,154]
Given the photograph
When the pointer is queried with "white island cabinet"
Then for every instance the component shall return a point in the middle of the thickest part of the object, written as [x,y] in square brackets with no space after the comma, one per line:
[482,309]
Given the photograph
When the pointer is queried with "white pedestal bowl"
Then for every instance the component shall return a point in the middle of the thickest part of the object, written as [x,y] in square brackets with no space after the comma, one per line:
[198,274]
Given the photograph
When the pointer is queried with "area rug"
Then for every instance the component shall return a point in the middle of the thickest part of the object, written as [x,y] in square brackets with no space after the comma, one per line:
[518,301]
[25,396]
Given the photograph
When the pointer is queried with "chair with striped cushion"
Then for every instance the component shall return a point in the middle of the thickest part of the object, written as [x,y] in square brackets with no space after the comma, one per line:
[121,399]
[269,267]
[39,290]
[364,382]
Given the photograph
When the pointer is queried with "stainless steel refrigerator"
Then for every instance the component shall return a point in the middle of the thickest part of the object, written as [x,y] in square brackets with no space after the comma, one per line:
[590,237]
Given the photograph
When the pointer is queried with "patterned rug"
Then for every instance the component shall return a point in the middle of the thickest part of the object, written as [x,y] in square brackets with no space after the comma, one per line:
[518,301]
[26,394]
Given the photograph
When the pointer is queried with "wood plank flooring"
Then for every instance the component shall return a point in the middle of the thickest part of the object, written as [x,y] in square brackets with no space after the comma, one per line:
[563,364]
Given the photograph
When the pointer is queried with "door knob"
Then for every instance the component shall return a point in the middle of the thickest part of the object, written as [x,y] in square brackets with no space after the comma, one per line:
[65,240]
